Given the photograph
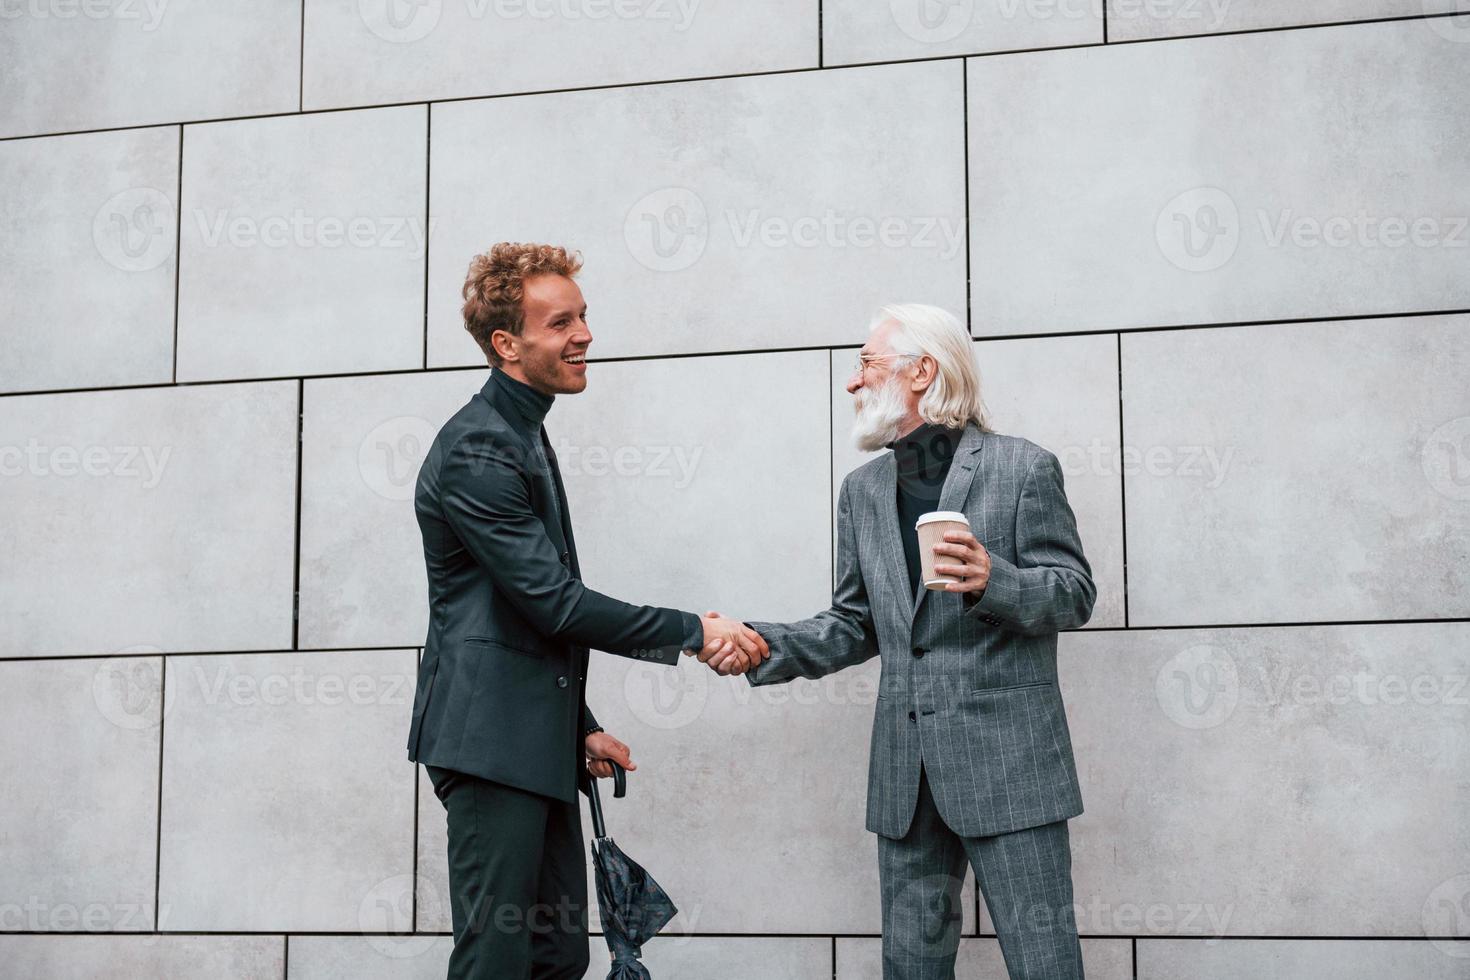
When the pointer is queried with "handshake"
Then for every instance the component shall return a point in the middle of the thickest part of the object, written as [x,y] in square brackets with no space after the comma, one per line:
[730,647]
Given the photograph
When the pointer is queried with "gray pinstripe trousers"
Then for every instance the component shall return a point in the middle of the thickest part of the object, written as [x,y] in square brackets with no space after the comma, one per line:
[1025,876]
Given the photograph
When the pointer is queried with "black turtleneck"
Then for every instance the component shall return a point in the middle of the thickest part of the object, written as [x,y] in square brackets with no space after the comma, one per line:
[923,457]
[531,405]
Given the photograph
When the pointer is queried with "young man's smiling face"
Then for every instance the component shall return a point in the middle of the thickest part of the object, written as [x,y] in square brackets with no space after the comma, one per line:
[550,354]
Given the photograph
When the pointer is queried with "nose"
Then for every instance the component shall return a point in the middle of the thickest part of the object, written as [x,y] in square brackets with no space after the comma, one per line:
[584,335]
[855,382]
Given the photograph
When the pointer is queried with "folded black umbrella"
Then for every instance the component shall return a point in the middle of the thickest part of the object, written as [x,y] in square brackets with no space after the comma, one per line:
[632,905]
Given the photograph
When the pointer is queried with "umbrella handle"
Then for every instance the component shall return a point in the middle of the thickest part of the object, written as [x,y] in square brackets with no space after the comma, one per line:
[594,800]
[594,803]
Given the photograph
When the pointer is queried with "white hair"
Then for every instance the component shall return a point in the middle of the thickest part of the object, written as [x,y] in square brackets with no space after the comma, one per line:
[953,399]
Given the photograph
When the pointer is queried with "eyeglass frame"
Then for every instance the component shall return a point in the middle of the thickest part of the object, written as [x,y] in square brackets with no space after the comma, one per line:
[864,360]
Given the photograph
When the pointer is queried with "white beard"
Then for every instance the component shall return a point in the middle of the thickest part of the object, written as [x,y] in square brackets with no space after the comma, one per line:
[879,416]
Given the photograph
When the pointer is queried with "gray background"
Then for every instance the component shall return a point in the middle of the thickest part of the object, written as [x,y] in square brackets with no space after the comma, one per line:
[1214,256]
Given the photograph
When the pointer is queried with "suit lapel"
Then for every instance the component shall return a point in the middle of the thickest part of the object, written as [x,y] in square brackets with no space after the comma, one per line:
[541,484]
[890,540]
[566,516]
[581,653]
[956,489]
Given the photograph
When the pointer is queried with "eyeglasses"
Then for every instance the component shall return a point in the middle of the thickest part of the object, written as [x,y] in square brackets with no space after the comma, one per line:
[863,361]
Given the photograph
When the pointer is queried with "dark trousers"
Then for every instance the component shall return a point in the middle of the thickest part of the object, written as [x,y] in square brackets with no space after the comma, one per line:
[1025,877]
[517,881]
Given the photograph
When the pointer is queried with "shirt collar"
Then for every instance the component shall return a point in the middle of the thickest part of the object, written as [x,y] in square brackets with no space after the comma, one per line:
[923,455]
[529,403]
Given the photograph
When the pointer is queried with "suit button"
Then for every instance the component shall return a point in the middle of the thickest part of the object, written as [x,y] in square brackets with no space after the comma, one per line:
[561,682]
[912,717]
[919,651]
[566,557]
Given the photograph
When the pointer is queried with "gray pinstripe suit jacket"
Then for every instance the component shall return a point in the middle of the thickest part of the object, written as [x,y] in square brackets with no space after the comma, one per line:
[969,691]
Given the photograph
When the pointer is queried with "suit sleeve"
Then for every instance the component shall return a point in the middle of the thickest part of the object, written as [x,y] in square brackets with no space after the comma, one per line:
[486,500]
[1049,588]
[833,639]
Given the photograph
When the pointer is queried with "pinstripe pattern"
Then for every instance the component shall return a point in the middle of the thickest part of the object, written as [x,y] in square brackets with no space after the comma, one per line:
[988,725]
[1025,876]
[968,704]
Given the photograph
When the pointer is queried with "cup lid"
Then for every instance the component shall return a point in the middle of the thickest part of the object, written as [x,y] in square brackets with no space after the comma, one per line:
[941,515]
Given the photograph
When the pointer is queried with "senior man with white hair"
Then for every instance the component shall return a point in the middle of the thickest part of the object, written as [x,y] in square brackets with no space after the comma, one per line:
[971,757]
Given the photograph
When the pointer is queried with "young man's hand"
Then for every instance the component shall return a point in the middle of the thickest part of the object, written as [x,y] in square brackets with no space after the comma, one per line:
[731,647]
[601,747]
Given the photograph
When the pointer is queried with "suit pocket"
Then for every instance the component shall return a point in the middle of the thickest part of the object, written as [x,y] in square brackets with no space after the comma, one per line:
[488,641]
[1012,687]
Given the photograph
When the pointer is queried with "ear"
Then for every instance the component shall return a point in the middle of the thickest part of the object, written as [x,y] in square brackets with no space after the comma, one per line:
[505,346]
[924,373]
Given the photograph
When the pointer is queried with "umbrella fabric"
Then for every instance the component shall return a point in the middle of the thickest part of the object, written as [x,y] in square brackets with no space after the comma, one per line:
[632,906]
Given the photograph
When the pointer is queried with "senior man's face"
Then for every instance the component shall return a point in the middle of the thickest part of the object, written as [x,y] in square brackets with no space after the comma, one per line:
[880,396]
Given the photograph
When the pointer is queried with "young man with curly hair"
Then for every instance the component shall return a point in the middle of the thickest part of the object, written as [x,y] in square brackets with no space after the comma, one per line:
[500,717]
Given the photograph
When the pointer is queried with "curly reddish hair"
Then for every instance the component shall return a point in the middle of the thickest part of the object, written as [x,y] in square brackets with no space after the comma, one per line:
[496,282]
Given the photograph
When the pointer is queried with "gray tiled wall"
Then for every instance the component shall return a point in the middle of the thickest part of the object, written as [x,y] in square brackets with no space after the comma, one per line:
[1222,272]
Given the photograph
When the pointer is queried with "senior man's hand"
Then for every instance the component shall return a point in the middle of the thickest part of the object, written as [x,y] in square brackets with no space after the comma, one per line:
[963,558]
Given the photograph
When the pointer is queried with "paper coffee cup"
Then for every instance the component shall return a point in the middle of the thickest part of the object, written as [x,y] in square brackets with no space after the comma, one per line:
[932,527]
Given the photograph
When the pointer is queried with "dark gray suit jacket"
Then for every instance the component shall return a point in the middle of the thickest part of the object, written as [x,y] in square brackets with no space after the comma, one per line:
[969,692]
[502,687]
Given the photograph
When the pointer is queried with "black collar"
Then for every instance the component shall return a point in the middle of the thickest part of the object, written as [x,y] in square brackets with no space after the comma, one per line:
[530,404]
[923,455]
